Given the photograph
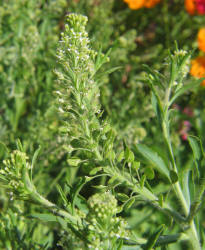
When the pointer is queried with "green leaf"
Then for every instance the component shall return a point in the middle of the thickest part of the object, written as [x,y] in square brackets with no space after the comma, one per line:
[198,153]
[135,165]
[110,155]
[107,73]
[142,181]
[131,248]
[45,217]
[63,223]
[168,239]
[173,176]
[185,88]
[63,196]
[153,158]
[122,197]
[19,145]
[129,203]
[129,155]
[106,128]
[95,170]
[160,200]
[101,59]
[3,150]
[185,183]
[35,156]
[101,187]
[121,156]
[119,209]
[73,162]
[149,172]
[153,239]
[153,75]
[50,218]
[112,180]
[155,106]
[76,189]
[196,147]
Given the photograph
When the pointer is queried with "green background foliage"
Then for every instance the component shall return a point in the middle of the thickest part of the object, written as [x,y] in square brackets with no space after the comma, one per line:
[102,173]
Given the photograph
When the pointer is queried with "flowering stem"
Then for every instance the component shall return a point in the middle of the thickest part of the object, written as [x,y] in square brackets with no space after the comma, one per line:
[176,186]
[41,200]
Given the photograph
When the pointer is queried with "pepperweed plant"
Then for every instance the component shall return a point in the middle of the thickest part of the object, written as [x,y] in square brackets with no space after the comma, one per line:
[119,177]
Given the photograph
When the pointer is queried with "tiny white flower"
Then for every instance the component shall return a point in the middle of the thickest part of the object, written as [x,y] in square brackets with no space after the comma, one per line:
[61,100]
[58,92]
[61,110]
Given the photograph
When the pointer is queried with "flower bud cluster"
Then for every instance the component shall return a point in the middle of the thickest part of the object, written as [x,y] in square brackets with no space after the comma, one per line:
[77,59]
[78,91]
[103,205]
[74,52]
[180,62]
[103,223]
[14,171]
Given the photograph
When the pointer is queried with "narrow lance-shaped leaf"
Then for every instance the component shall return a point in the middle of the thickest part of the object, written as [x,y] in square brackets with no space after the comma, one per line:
[154,75]
[19,145]
[45,217]
[185,88]
[185,182]
[154,159]
[197,149]
[153,239]
[156,107]
[50,218]
[107,72]
[34,160]
[75,191]
[3,150]
[63,196]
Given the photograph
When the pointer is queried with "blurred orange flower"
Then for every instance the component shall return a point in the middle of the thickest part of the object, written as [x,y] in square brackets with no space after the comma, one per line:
[198,68]
[151,3]
[190,6]
[195,7]
[137,4]
[201,39]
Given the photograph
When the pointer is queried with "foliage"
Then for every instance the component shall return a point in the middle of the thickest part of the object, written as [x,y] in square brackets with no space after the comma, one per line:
[98,132]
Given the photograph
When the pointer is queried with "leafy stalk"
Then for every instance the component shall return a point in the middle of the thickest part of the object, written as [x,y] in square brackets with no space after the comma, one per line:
[178,70]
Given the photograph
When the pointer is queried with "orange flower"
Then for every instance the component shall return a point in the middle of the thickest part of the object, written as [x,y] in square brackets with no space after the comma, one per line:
[151,3]
[201,39]
[137,4]
[198,68]
[195,7]
[190,6]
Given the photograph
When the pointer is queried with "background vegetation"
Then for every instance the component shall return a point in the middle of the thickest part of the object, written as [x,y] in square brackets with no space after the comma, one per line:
[101,165]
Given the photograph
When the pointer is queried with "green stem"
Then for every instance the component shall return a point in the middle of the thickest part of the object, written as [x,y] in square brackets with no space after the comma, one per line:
[143,191]
[112,172]
[167,96]
[169,146]
[176,186]
[192,231]
[196,204]
[53,183]
[44,202]
[180,195]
